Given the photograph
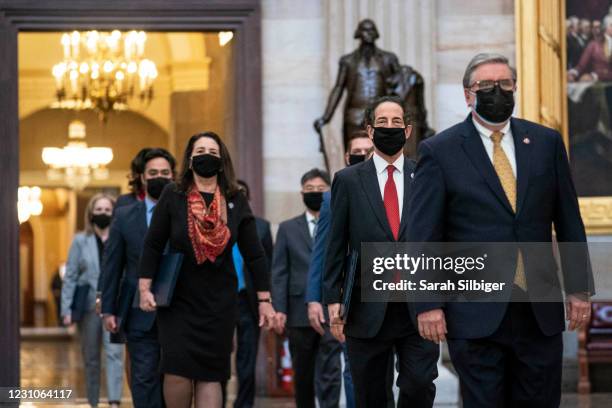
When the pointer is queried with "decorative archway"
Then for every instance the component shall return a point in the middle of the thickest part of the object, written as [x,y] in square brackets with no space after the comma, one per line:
[241,16]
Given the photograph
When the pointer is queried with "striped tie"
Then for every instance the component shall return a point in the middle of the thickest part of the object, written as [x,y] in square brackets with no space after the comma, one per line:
[508,181]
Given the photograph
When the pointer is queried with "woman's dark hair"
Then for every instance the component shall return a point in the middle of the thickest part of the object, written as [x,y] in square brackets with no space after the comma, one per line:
[245,188]
[226,177]
[136,169]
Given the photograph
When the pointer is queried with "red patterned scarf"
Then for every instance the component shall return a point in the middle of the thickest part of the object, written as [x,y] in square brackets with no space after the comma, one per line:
[207,225]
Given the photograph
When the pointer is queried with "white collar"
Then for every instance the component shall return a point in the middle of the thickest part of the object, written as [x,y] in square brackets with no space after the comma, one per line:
[381,164]
[309,217]
[488,132]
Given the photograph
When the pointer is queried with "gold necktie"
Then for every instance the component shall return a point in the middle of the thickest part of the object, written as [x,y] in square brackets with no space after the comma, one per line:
[508,181]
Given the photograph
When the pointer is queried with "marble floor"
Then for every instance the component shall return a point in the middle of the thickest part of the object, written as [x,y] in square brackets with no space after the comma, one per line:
[57,363]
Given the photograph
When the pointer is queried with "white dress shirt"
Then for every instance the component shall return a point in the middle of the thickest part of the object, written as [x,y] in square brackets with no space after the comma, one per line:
[507,142]
[398,176]
[312,223]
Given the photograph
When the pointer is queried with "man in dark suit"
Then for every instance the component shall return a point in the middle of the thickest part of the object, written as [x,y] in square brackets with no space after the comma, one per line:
[247,328]
[370,204]
[315,356]
[120,280]
[493,178]
[359,149]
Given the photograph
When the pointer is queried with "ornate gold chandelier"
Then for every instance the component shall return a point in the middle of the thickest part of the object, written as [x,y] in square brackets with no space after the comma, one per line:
[103,71]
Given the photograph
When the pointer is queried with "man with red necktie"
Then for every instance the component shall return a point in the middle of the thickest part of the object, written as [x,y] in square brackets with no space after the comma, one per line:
[370,204]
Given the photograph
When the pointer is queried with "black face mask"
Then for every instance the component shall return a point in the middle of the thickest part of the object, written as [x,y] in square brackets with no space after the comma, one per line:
[206,165]
[356,158]
[101,220]
[313,200]
[389,140]
[156,185]
[495,106]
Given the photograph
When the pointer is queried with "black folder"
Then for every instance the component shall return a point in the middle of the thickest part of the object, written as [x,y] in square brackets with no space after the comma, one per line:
[349,282]
[79,302]
[164,281]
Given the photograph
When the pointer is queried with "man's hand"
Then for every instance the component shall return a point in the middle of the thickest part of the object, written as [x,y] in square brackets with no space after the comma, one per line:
[110,323]
[281,320]
[335,322]
[432,325]
[266,315]
[147,301]
[578,311]
[67,320]
[316,317]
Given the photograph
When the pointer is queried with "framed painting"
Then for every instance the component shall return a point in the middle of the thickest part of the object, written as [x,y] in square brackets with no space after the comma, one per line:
[564,66]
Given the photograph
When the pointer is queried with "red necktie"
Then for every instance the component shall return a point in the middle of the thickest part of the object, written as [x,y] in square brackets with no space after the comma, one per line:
[392,202]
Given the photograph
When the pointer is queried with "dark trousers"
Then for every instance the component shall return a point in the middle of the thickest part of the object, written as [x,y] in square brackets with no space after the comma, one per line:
[246,353]
[516,366]
[315,358]
[146,379]
[417,362]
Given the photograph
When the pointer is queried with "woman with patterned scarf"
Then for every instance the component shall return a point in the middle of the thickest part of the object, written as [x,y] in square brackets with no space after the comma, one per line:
[202,216]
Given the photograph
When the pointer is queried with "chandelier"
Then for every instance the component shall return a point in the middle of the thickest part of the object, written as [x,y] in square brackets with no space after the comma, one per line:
[28,203]
[76,163]
[103,71]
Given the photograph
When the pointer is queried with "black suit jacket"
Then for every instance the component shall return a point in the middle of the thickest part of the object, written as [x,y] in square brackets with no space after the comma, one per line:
[359,216]
[290,270]
[120,267]
[265,236]
[458,197]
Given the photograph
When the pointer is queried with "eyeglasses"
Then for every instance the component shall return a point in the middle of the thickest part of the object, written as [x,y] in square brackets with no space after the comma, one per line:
[488,85]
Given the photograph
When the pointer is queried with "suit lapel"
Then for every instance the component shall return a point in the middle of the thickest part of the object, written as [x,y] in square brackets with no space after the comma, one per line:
[477,154]
[522,151]
[142,219]
[408,173]
[305,231]
[92,247]
[369,183]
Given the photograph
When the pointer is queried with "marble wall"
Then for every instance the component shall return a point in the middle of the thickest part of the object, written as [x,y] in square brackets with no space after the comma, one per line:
[302,42]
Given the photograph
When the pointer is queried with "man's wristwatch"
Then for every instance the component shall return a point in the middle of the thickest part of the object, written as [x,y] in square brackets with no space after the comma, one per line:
[265,300]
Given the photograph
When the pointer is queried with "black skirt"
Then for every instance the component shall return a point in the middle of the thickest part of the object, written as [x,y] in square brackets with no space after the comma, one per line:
[196,330]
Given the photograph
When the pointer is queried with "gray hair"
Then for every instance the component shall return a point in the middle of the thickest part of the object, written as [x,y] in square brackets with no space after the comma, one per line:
[607,20]
[485,58]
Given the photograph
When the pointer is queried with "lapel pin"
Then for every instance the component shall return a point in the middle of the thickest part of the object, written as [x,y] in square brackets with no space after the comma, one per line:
[230,205]
[411,175]
[526,140]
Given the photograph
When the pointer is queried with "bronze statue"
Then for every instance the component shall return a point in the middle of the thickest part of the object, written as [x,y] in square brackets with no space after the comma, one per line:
[368,73]
[409,86]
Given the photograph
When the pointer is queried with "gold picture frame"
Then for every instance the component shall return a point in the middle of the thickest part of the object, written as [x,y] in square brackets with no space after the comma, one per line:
[542,85]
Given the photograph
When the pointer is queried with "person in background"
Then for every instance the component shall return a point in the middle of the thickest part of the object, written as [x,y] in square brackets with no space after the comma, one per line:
[137,187]
[360,148]
[120,280]
[247,330]
[202,216]
[315,354]
[83,268]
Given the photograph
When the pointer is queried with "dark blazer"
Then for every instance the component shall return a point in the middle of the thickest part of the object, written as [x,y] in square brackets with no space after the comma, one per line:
[126,199]
[265,236]
[290,270]
[457,197]
[120,267]
[359,216]
[317,259]
[169,225]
